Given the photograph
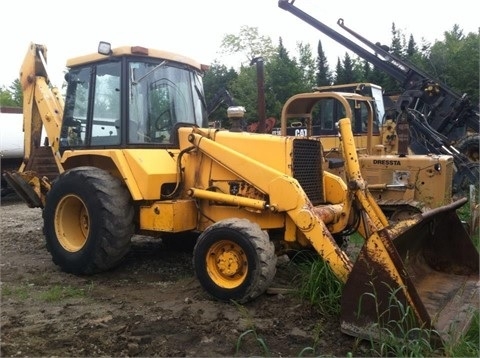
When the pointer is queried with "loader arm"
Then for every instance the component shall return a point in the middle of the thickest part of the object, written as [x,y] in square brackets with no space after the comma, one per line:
[427,261]
[285,195]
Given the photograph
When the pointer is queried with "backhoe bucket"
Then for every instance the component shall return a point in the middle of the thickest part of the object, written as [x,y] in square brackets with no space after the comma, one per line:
[422,275]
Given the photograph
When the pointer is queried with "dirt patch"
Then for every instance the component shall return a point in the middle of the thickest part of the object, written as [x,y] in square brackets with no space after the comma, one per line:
[151,305]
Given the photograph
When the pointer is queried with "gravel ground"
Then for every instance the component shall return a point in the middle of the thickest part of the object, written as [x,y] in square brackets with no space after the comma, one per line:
[151,305]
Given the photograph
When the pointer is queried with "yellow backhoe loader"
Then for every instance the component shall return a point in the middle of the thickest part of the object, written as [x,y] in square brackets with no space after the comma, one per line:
[133,154]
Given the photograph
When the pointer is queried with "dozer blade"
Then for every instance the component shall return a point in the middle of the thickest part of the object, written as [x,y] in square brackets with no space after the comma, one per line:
[412,280]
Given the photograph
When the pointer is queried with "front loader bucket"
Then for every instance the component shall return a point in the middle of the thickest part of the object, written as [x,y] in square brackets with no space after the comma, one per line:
[424,275]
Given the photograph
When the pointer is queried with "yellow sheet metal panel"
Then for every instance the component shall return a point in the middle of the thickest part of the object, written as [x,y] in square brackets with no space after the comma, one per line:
[265,219]
[169,216]
[271,150]
[143,170]
[152,169]
[425,178]
[112,160]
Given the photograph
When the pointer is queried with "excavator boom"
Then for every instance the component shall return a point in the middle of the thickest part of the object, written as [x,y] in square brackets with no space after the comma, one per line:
[442,121]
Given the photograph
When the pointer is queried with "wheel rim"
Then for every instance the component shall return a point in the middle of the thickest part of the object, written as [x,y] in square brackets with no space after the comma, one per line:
[72,223]
[227,264]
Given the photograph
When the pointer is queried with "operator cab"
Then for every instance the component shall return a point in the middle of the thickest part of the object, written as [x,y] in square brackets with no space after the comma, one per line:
[131,97]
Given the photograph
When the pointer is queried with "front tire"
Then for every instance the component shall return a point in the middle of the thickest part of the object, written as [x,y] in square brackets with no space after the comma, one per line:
[88,221]
[234,260]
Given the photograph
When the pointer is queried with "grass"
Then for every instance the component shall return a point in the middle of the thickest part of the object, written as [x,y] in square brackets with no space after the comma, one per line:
[320,287]
[469,346]
[59,293]
[399,336]
[251,331]
[20,293]
[318,284]
[55,293]
[469,213]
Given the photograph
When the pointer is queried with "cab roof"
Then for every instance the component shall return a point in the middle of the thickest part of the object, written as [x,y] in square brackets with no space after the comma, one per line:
[136,51]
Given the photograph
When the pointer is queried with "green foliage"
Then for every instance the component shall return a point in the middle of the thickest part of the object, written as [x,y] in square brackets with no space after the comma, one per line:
[468,346]
[245,89]
[456,61]
[11,96]
[453,60]
[251,331]
[58,293]
[20,293]
[318,284]
[324,75]
[348,70]
[216,81]
[284,77]
[306,63]
[249,43]
[398,337]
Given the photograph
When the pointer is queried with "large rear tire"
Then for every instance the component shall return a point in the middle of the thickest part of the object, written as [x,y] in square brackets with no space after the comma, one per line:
[88,221]
[469,146]
[464,178]
[234,260]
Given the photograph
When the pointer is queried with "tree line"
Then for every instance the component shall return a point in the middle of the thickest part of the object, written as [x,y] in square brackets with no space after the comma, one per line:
[454,61]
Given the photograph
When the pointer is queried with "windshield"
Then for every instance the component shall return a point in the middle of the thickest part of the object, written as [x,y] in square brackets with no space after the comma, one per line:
[377,95]
[162,94]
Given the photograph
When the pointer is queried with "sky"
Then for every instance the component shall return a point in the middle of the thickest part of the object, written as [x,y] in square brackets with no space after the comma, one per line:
[195,28]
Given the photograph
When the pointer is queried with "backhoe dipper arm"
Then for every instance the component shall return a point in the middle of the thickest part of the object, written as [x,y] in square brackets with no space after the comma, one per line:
[405,73]
[42,104]
[42,108]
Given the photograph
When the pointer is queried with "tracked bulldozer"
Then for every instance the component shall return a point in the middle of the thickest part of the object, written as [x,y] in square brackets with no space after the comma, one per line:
[134,155]
[401,183]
